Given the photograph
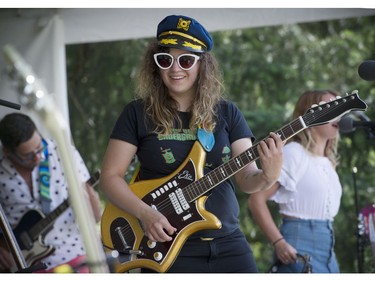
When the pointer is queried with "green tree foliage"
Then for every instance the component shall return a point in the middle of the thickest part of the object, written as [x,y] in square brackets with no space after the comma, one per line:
[265,70]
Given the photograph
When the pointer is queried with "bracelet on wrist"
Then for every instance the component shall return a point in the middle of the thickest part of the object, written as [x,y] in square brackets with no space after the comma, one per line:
[277,241]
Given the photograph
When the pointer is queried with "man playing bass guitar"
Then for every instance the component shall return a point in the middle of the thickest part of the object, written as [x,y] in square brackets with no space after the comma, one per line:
[32,178]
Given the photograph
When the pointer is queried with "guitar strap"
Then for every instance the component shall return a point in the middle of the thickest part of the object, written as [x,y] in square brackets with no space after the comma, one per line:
[44,180]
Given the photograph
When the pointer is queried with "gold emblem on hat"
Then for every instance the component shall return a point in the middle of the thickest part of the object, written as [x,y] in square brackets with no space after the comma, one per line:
[183,24]
[168,33]
[169,41]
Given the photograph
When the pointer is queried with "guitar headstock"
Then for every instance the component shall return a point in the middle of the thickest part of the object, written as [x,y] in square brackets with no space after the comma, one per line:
[327,112]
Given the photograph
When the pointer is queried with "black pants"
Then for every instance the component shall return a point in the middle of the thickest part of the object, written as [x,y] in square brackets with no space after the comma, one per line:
[229,254]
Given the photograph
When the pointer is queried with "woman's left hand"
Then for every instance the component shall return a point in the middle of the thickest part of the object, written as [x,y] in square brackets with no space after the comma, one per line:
[271,157]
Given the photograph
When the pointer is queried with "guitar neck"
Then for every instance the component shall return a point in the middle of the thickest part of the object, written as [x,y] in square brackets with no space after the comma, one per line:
[46,222]
[235,164]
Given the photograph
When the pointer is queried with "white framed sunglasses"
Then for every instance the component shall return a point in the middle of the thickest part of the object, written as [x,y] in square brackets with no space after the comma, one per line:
[184,61]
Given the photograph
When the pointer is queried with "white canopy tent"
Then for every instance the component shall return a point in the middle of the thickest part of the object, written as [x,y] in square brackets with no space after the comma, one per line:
[40,34]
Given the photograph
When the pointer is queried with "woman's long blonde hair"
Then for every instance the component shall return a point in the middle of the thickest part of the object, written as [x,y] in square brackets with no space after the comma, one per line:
[163,110]
[305,138]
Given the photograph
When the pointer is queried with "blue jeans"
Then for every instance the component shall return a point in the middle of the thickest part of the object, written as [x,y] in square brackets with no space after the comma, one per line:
[314,238]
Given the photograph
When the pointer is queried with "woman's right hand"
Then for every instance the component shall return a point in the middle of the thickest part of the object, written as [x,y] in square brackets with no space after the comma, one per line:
[285,252]
[156,226]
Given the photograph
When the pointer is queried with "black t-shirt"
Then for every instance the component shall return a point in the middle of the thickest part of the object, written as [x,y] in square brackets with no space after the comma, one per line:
[160,156]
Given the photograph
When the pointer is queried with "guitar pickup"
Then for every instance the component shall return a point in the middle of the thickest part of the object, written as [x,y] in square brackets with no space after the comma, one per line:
[175,203]
[178,201]
[182,199]
[25,240]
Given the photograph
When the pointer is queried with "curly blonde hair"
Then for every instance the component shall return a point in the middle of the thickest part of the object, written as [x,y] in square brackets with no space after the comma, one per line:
[163,110]
[305,138]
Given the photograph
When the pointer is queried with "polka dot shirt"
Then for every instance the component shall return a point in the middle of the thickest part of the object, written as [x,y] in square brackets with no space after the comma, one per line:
[16,200]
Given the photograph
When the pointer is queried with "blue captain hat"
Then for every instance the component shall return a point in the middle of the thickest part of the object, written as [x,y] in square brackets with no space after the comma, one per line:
[182,32]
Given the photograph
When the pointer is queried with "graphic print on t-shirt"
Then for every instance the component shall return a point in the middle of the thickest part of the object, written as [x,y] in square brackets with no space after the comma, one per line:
[178,135]
[225,154]
[167,155]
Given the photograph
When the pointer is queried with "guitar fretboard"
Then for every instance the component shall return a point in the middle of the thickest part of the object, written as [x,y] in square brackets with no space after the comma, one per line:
[226,170]
[47,221]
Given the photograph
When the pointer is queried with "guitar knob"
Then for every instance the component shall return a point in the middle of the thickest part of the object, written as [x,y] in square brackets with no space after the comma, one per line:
[158,256]
[151,244]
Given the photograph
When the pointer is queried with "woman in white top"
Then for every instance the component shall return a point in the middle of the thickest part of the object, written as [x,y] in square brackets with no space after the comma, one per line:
[308,194]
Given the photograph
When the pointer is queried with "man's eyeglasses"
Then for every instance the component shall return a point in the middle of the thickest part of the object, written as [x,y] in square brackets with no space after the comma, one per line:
[29,156]
[184,61]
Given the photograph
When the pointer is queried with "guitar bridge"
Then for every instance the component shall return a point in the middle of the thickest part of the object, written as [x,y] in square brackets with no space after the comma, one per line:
[126,248]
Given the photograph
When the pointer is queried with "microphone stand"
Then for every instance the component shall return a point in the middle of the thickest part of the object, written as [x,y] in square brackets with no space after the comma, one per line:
[360,225]
[368,124]
[370,133]
[10,104]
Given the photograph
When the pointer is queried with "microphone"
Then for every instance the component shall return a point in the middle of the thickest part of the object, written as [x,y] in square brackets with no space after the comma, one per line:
[348,125]
[366,70]
[10,104]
